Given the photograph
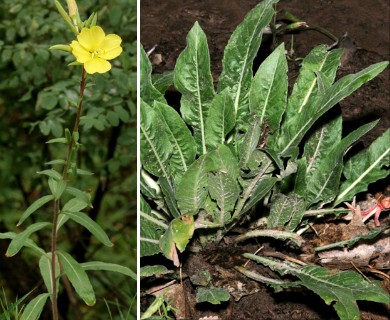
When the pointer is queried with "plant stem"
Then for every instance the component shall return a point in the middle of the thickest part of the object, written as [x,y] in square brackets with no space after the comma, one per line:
[57,201]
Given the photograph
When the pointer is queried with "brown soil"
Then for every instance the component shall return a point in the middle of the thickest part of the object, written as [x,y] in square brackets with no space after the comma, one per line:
[166,24]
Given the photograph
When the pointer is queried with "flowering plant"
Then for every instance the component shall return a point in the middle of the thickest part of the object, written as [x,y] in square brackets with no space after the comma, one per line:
[92,50]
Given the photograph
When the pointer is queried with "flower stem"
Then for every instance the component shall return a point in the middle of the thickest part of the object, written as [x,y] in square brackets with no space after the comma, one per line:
[57,201]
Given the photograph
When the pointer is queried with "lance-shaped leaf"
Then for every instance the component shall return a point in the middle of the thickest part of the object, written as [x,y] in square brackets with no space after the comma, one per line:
[239,54]
[257,192]
[45,269]
[90,225]
[250,142]
[286,210]
[57,187]
[77,277]
[295,128]
[183,144]
[34,207]
[74,205]
[28,243]
[162,81]
[317,147]
[366,167]
[191,191]
[342,288]
[225,190]
[169,193]
[20,240]
[147,90]
[323,184]
[154,142]
[194,81]
[99,265]
[152,228]
[34,308]
[268,92]
[305,91]
[320,142]
[79,194]
[221,119]
[223,160]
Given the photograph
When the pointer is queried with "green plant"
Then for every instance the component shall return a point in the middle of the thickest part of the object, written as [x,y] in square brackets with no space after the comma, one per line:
[204,169]
[66,181]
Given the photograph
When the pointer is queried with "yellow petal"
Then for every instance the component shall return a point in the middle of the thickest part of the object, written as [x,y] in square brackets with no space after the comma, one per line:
[111,54]
[82,55]
[97,65]
[110,47]
[91,38]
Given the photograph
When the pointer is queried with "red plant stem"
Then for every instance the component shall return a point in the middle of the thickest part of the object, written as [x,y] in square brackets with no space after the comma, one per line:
[57,201]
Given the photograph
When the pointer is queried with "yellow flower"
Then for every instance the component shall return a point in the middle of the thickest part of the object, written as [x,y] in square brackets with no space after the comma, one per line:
[94,48]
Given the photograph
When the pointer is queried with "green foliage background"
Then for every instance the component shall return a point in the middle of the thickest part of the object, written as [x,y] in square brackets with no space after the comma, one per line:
[37,96]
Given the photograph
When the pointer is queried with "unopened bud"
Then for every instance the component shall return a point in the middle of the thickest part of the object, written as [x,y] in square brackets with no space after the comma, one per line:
[72,8]
[62,47]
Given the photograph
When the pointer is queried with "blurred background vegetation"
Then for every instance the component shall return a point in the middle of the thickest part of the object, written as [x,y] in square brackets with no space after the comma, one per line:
[37,90]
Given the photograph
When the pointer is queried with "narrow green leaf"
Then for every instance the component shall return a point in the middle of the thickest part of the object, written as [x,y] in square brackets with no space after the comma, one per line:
[148,92]
[79,194]
[90,225]
[366,167]
[276,234]
[154,270]
[286,210]
[260,190]
[191,191]
[34,308]
[220,120]
[239,54]
[55,162]
[250,142]
[183,144]
[152,228]
[194,81]
[99,265]
[57,187]
[34,207]
[343,288]
[58,140]
[28,244]
[296,127]
[81,172]
[223,160]
[323,184]
[169,192]
[77,277]
[62,219]
[268,92]
[51,173]
[74,205]
[163,81]
[225,190]
[20,240]
[154,142]
[320,142]
[305,91]
[45,269]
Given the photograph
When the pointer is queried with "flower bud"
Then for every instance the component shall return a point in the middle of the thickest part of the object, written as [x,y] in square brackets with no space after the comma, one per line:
[62,47]
[72,8]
